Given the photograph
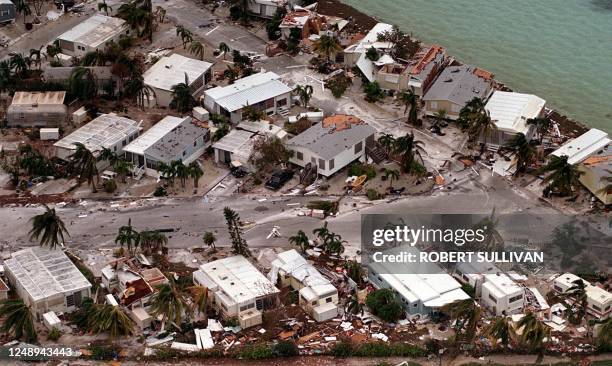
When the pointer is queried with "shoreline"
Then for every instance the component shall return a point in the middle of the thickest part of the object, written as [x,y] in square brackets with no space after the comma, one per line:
[568,127]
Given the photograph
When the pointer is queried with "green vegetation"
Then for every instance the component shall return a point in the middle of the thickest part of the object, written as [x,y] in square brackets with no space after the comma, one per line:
[54,334]
[239,244]
[376,349]
[373,92]
[373,194]
[48,228]
[338,84]
[18,320]
[358,169]
[383,304]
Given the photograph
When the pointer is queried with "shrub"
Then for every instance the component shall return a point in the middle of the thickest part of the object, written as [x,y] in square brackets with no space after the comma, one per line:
[235,13]
[358,169]
[384,305]
[373,92]
[232,322]
[257,351]
[285,349]
[54,334]
[381,349]
[103,352]
[110,186]
[469,289]
[119,252]
[373,194]
[342,349]
[160,192]
[338,85]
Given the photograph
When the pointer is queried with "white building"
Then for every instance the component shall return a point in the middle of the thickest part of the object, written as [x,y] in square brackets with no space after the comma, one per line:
[172,70]
[235,146]
[46,280]
[501,295]
[583,146]
[316,293]
[239,290]
[421,288]
[37,109]
[332,144]
[355,53]
[262,92]
[92,34]
[266,8]
[168,140]
[599,301]
[108,130]
[510,113]
[472,273]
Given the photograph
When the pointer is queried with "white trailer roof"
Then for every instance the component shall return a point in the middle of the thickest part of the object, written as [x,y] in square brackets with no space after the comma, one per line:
[170,71]
[293,264]
[95,30]
[104,131]
[510,111]
[239,280]
[583,146]
[44,273]
[153,134]
[504,284]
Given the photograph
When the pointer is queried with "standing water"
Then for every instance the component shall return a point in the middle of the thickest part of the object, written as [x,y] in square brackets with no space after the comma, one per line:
[559,50]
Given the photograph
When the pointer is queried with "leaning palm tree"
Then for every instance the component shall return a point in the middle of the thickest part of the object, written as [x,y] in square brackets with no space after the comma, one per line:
[111,319]
[387,141]
[408,147]
[322,232]
[578,297]
[170,303]
[224,48]
[199,295]
[108,155]
[466,314]
[195,172]
[391,174]
[18,320]
[209,239]
[326,46]
[135,87]
[300,240]
[522,150]
[501,328]
[182,99]
[410,101]
[48,228]
[534,332]
[561,177]
[197,49]
[304,92]
[19,63]
[128,236]
[83,165]
[152,240]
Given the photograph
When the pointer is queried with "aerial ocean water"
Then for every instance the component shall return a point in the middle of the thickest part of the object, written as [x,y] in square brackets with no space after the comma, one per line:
[560,50]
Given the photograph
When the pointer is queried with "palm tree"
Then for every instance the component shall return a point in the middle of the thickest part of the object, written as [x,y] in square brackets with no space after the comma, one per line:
[522,149]
[83,165]
[152,240]
[209,239]
[326,46]
[542,125]
[23,8]
[334,244]
[481,124]
[19,63]
[232,73]
[410,101]
[501,328]
[136,87]
[108,155]
[48,228]
[440,115]
[18,320]
[197,49]
[577,294]
[408,147]
[54,49]
[111,319]
[128,236]
[182,99]
[170,303]
[391,174]
[224,48]
[469,112]
[36,56]
[322,232]
[199,295]
[82,84]
[533,332]
[301,240]
[195,172]
[180,171]
[466,314]
[562,177]
[243,7]
[387,141]
[123,168]
[305,93]
[103,6]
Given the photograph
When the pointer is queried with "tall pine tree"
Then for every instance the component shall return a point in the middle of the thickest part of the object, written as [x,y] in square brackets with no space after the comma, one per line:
[239,245]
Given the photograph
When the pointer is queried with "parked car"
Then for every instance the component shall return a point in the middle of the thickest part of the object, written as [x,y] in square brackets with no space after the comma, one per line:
[237,169]
[278,179]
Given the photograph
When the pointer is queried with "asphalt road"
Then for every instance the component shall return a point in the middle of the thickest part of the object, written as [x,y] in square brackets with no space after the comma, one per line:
[95,224]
